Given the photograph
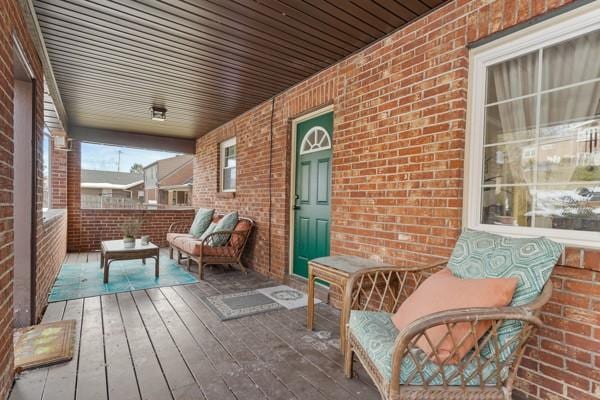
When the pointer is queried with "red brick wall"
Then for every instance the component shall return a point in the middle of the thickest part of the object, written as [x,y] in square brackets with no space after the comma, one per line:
[97,225]
[252,197]
[12,22]
[51,251]
[400,109]
[397,179]
[563,359]
[52,234]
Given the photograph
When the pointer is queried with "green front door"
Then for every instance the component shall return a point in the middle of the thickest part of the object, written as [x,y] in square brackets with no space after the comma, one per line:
[312,206]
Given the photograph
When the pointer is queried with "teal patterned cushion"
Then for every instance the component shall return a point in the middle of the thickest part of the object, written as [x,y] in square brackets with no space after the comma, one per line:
[227,223]
[486,255]
[202,221]
[208,231]
[376,334]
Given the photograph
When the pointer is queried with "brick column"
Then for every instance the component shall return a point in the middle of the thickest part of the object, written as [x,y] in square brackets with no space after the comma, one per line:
[74,196]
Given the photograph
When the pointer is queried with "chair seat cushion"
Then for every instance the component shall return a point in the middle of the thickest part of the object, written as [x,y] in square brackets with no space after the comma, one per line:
[193,246]
[188,244]
[172,235]
[442,292]
[376,334]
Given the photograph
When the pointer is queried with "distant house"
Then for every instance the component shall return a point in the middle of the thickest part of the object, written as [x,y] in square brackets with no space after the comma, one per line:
[169,181]
[110,189]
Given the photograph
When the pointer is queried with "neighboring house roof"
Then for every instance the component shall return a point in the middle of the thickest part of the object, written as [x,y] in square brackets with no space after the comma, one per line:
[174,172]
[183,175]
[109,179]
[169,165]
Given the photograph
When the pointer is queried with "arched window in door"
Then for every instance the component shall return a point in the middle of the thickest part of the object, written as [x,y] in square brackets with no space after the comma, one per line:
[316,139]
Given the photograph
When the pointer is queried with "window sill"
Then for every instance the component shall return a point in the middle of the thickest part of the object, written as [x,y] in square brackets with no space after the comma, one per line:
[52,214]
[586,240]
[225,195]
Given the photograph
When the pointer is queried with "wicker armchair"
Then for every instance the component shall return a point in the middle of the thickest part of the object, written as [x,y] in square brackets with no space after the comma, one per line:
[203,252]
[486,372]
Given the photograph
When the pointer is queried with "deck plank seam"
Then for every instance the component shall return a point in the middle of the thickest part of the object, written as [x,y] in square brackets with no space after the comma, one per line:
[137,382]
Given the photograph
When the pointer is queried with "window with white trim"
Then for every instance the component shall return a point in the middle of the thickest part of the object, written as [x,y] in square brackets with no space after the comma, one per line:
[534,133]
[228,165]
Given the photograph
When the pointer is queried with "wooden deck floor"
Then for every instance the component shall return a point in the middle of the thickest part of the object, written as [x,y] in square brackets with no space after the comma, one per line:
[165,344]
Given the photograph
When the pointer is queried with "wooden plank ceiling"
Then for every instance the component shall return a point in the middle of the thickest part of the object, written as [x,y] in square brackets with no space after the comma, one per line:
[205,61]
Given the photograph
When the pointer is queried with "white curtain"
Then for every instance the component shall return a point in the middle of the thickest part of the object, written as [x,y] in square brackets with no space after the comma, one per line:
[571,62]
[511,79]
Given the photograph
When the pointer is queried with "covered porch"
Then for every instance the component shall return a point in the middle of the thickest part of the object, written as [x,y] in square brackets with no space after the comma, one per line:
[385,130]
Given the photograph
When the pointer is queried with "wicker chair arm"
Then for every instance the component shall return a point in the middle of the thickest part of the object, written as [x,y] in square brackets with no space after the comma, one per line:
[536,305]
[383,288]
[236,238]
[459,315]
[496,316]
[180,226]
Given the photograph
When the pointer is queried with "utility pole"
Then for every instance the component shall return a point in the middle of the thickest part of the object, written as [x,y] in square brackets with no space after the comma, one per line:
[119,160]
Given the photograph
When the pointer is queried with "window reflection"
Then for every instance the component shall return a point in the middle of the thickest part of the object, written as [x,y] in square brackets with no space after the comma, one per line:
[542,138]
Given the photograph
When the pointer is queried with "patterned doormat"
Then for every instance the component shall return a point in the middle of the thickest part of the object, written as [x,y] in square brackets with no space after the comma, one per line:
[75,281]
[286,296]
[238,305]
[44,344]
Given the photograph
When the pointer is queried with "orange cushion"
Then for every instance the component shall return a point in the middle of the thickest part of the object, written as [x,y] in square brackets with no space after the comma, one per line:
[443,291]
[219,251]
[173,235]
[189,245]
[193,246]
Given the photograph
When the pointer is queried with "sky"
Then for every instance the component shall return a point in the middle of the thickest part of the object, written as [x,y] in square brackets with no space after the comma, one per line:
[106,158]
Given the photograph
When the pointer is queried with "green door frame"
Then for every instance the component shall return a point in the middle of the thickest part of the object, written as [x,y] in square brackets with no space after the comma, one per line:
[292,187]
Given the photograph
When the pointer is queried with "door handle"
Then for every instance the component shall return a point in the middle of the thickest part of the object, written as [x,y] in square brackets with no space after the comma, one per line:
[296,207]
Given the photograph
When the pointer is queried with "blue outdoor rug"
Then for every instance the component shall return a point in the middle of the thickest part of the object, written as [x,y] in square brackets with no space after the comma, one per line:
[75,281]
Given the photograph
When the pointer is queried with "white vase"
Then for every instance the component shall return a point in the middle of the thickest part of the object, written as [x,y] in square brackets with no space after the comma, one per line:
[128,242]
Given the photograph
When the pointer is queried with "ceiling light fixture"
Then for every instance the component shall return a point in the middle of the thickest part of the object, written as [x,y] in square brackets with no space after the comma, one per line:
[158,113]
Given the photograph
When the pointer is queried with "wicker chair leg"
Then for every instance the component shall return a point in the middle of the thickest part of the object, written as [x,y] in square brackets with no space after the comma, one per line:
[242,267]
[201,270]
[171,252]
[348,359]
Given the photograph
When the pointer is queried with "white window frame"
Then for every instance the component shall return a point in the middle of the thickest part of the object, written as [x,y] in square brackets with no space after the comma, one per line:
[555,30]
[224,145]
[48,135]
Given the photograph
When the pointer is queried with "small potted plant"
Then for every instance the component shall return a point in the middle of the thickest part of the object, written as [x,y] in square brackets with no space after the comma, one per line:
[130,230]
